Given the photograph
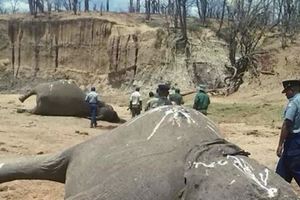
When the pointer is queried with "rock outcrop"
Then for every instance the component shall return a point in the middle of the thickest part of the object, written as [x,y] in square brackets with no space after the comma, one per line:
[109,52]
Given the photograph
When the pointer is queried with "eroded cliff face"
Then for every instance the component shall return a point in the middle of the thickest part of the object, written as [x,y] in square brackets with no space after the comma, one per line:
[108,53]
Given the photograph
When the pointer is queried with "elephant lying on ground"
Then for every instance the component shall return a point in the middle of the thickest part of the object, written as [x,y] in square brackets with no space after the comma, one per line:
[221,170]
[65,98]
[143,159]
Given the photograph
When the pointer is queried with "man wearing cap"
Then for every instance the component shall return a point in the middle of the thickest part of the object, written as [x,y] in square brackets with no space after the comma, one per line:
[201,100]
[135,104]
[176,97]
[92,99]
[288,149]
[162,96]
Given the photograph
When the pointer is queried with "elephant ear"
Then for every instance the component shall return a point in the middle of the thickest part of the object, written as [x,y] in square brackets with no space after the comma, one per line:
[208,151]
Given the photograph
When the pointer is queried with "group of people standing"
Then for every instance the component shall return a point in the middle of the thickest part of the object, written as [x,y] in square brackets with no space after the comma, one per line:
[167,96]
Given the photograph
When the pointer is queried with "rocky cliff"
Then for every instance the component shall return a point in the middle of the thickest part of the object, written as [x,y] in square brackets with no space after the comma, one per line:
[110,52]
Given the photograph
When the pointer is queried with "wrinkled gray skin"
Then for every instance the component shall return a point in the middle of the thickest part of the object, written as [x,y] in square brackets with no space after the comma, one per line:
[143,159]
[65,98]
[221,170]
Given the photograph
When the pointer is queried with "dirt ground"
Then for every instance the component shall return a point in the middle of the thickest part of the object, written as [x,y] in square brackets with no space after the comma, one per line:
[24,134]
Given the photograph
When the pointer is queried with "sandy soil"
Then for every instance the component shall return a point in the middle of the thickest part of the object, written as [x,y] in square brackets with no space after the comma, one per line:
[24,134]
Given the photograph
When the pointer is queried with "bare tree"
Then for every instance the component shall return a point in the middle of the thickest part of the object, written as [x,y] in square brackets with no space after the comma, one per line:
[245,32]
[2,9]
[131,7]
[86,5]
[222,15]
[57,5]
[202,6]
[148,9]
[101,9]
[14,5]
[75,6]
[182,14]
[49,6]
[138,6]
[36,6]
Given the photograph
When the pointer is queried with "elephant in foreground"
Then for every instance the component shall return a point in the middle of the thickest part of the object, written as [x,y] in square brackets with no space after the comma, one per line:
[65,98]
[149,158]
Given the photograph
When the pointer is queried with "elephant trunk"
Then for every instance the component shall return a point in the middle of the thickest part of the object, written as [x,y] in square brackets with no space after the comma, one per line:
[28,94]
[42,167]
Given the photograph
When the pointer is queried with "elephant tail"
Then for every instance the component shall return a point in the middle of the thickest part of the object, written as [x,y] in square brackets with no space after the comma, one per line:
[42,167]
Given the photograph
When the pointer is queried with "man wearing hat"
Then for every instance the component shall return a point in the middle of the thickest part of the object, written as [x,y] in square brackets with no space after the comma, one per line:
[162,96]
[92,99]
[201,100]
[288,149]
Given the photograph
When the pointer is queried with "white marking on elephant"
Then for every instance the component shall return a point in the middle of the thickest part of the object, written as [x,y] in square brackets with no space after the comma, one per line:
[1,165]
[222,162]
[248,171]
[211,165]
[178,114]
[178,138]
[159,123]
[264,179]
[232,182]
[211,124]
[213,130]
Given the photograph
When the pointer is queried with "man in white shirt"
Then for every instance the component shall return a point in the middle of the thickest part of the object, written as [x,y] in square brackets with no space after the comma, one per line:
[92,99]
[135,102]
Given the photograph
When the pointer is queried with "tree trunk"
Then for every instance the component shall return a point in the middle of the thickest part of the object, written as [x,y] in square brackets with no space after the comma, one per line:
[138,6]
[107,5]
[148,12]
[222,16]
[86,5]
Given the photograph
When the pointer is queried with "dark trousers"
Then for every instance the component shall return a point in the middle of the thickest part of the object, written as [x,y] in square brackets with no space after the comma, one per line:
[93,109]
[288,166]
[135,110]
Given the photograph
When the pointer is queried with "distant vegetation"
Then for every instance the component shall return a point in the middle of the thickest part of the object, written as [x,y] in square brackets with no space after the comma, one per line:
[241,23]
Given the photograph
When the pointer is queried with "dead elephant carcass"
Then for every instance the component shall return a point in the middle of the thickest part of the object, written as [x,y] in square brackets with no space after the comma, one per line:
[143,159]
[221,170]
[65,98]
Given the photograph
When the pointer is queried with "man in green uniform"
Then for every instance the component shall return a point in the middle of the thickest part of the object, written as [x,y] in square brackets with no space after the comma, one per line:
[150,103]
[176,97]
[201,100]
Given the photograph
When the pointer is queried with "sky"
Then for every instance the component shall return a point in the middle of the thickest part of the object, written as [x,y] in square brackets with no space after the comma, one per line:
[115,5]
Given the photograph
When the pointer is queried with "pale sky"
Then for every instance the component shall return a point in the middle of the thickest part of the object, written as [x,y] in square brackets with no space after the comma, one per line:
[115,5]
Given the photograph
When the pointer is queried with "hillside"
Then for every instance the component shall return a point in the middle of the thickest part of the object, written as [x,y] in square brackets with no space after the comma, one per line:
[114,52]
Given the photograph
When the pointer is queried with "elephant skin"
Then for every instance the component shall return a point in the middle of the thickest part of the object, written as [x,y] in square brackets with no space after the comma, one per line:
[65,98]
[220,170]
[143,159]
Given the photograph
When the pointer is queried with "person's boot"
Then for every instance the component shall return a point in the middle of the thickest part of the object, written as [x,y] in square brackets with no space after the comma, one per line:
[91,126]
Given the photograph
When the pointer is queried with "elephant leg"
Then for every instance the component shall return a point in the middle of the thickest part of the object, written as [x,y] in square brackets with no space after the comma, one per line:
[43,167]
[28,94]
